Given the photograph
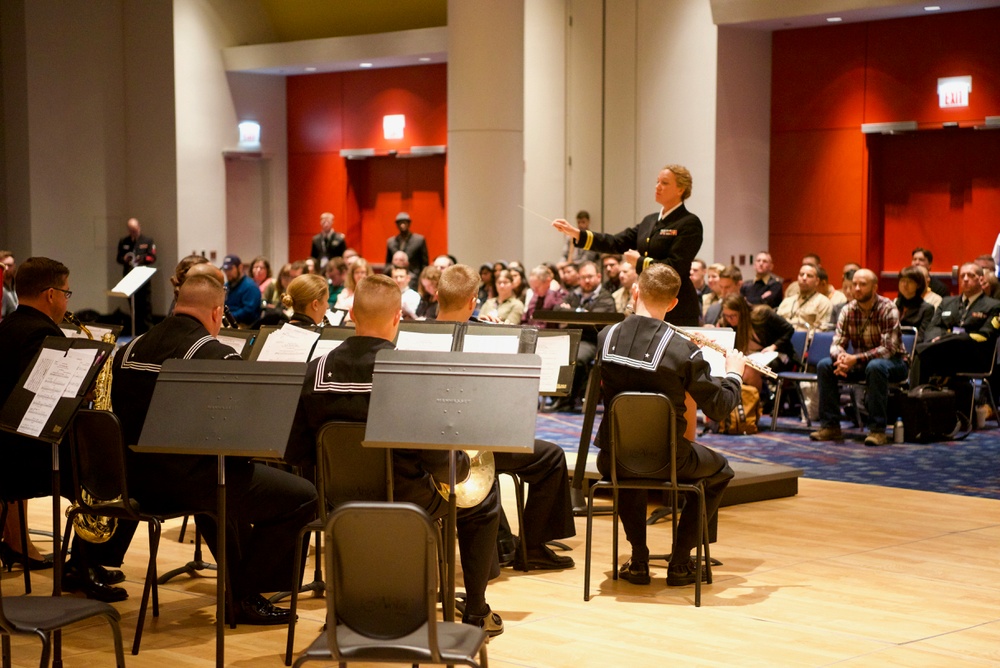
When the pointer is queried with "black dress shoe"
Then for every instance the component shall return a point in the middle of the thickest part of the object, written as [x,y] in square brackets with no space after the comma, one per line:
[108,576]
[686,573]
[84,580]
[636,572]
[543,559]
[257,610]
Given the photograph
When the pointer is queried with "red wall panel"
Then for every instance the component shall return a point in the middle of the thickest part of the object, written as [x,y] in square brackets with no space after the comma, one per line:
[330,112]
[821,186]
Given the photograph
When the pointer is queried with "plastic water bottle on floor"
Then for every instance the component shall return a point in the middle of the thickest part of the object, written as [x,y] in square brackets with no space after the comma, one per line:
[897,431]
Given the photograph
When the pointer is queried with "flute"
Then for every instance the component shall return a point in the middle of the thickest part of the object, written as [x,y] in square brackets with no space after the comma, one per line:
[706,342]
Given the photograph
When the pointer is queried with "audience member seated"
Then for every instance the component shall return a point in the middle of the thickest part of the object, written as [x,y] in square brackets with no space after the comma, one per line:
[505,307]
[338,387]
[401,260]
[519,282]
[765,288]
[544,297]
[308,297]
[758,329]
[913,310]
[925,258]
[487,287]
[359,269]
[643,354]
[336,272]
[260,272]
[590,297]
[548,511]
[869,325]
[623,295]
[931,297]
[569,276]
[428,307]
[180,274]
[242,296]
[410,298]
[611,262]
[808,308]
[962,334]
[991,285]
[714,293]
[727,284]
[698,278]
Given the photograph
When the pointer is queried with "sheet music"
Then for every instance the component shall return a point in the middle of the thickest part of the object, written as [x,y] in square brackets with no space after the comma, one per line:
[51,379]
[725,337]
[323,346]
[762,358]
[486,343]
[234,342]
[554,351]
[132,281]
[288,344]
[85,358]
[335,318]
[424,341]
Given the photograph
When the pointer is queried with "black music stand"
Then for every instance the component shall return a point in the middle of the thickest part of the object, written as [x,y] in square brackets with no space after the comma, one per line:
[457,401]
[220,401]
[130,284]
[22,401]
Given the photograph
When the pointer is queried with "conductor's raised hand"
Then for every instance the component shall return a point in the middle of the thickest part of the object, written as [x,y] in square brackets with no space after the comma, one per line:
[566,228]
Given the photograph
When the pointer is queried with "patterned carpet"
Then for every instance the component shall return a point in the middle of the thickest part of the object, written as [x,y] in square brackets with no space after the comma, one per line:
[970,467]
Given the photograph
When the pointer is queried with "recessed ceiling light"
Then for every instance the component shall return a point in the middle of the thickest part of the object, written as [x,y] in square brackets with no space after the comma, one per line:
[425,59]
[932,8]
[310,69]
[834,19]
[365,65]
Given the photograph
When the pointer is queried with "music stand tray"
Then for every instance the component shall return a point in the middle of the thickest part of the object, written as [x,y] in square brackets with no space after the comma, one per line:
[454,401]
[220,402]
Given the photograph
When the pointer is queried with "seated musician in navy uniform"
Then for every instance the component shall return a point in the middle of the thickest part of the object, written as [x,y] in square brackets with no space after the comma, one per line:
[266,506]
[644,354]
[338,387]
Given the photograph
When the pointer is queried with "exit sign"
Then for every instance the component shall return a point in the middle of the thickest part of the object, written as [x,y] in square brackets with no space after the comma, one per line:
[954,91]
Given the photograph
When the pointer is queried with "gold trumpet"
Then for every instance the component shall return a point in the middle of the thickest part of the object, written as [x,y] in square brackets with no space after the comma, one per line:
[704,341]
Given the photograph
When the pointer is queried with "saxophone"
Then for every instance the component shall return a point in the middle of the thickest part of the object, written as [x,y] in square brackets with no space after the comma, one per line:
[95,528]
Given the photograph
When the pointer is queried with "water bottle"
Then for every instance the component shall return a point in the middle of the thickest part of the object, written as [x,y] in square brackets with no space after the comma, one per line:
[897,431]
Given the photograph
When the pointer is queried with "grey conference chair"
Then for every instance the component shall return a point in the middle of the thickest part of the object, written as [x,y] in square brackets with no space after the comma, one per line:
[640,447]
[387,614]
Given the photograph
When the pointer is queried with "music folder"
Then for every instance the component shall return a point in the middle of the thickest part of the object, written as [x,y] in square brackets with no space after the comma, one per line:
[453,401]
[51,389]
[230,407]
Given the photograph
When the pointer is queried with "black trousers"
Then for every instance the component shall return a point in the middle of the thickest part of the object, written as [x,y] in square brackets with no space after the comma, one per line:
[548,510]
[265,509]
[949,355]
[694,462]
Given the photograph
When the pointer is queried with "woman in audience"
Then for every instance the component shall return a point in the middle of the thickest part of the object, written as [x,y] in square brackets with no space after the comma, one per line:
[929,296]
[712,281]
[9,297]
[276,290]
[260,272]
[913,310]
[518,281]
[759,329]
[307,296]
[359,269]
[505,307]
[427,287]
[487,288]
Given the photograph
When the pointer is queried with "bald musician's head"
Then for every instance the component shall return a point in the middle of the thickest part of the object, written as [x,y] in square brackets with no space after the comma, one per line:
[655,290]
[207,269]
[202,297]
[457,291]
[376,309]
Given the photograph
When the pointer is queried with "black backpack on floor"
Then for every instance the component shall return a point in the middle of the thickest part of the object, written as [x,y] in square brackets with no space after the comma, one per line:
[930,413]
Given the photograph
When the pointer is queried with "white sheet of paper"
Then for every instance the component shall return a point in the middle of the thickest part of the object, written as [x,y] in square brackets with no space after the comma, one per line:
[133,281]
[288,344]
[432,342]
[85,358]
[323,346]
[484,343]
[72,333]
[46,358]
[725,337]
[335,317]
[57,375]
[235,342]
[554,351]
[763,358]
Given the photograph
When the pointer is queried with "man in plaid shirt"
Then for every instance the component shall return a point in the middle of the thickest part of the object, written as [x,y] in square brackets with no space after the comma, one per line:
[870,326]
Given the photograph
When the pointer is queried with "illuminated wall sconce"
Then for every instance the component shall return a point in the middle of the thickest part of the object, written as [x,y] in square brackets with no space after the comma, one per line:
[392,126]
[249,134]
[954,91]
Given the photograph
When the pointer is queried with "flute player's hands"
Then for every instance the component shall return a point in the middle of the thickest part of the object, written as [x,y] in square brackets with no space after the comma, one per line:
[735,362]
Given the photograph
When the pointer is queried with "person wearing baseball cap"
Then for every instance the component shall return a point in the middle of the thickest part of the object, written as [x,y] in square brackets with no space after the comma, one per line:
[414,245]
[242,294]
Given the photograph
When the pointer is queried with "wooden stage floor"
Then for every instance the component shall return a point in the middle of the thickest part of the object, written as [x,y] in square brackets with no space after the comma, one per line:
[844,574]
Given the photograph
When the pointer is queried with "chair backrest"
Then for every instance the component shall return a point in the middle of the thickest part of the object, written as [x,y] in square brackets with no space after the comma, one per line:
[819,347]
[397,598]
[98,451]
[799,337]
[643,436]
[346,470]
[909,336]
